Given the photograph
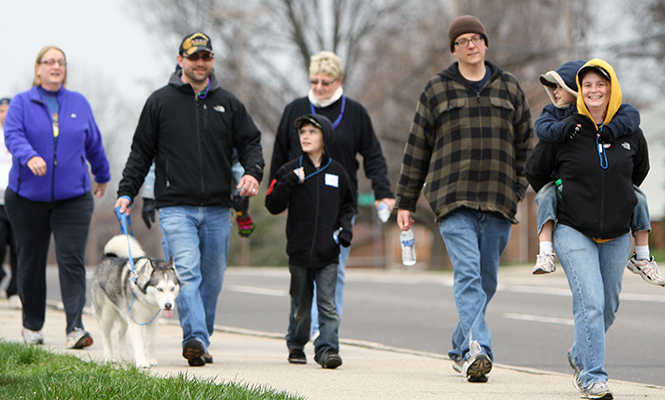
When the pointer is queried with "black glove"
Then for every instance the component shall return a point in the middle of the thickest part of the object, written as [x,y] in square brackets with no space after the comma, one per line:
[148,212]
[570,129]
[606,135]
[240,203]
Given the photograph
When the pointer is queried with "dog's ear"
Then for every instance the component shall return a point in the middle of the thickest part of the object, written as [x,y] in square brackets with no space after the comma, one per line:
[171,265]
[144,270]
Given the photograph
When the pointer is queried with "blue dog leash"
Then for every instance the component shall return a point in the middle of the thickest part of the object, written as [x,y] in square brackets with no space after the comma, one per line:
[126,229]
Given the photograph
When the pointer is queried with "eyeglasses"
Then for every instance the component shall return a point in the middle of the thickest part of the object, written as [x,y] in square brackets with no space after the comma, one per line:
[51,63]
[463,43]
[324,83]
[205,56]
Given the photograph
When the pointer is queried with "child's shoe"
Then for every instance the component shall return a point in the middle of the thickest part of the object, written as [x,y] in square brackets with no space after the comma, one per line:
[544,263]
[647,269]
[245,224]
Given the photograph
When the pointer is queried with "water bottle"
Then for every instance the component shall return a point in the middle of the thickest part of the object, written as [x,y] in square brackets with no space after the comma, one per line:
[408,247]
[384,212]
[336,235]
[559,187]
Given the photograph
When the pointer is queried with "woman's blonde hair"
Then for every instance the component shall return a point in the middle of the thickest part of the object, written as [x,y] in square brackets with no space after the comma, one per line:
[38,81]
[326,62]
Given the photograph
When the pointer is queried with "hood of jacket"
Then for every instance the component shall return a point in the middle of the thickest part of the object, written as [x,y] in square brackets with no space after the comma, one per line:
[322,123]
[452,72]
[565,76]
[615,92]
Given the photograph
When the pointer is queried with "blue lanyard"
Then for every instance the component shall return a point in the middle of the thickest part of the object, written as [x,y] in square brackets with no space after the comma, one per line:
[602,153]
[339,117]
[316,172]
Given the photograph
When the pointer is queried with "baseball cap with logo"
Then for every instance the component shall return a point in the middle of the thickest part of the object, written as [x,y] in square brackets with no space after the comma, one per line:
[194,43]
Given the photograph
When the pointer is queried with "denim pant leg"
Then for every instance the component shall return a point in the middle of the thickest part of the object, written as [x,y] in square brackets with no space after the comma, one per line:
[641,220]
[301,291]
[339,286]
[326,282]
[197,238]
[546,198]
[475,242]
[70,222]
[594,272]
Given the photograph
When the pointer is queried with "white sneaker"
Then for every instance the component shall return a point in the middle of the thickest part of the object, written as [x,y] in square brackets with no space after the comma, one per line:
[32,337]
[477,365]
[78,339]
[15,302]
[647,269]
[544,263]
[598,390]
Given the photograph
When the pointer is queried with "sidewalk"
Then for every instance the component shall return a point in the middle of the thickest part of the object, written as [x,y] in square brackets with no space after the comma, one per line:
[369,371]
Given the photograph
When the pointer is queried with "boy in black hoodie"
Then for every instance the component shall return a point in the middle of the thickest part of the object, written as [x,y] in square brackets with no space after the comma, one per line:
[317,192]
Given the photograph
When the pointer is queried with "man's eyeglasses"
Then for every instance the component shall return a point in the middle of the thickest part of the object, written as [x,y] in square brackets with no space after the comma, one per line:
[463,43]
[51,63]
[324,83]
[205,56]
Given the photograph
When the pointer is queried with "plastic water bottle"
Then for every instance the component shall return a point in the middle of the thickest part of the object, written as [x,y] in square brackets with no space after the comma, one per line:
[336,235]
[408,247]
[559,187]
[384,212]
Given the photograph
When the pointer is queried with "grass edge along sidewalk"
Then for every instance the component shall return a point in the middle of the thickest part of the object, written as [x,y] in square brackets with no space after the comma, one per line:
[33,372]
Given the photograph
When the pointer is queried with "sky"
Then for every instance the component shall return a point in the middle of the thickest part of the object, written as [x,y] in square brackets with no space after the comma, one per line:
[101,39]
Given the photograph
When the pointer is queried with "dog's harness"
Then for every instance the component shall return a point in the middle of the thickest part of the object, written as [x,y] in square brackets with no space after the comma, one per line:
[126,229]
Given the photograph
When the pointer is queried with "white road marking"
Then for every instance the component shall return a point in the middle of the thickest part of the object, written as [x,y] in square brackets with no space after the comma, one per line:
[537,318]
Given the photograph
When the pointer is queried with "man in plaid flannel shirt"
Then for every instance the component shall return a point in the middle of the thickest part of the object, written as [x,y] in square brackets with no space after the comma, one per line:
[468,145]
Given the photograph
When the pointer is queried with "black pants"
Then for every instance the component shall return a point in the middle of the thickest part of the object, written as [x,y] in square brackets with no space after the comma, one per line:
[7,241]
[32,223]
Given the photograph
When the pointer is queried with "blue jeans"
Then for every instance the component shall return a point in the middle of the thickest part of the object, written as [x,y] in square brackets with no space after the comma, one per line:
[198,240]
[302,293]
[546,198]
[339,287]
[475,241]
[594,272]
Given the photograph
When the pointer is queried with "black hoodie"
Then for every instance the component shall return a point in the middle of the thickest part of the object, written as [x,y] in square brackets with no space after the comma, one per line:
[317,207]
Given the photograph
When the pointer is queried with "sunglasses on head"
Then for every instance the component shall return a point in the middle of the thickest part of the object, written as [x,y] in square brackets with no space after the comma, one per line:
[204,55]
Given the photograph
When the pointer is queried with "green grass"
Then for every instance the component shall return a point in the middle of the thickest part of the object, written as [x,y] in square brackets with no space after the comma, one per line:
[31,372]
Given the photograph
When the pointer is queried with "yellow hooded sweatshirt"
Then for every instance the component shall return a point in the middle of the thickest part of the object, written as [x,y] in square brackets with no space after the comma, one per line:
[615,92]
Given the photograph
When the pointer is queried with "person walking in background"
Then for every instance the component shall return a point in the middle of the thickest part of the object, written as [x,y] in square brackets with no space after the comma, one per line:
[318,194]
[353,135]
[592,239]
[6,234]
[51,133]
[189,128]
[468,144]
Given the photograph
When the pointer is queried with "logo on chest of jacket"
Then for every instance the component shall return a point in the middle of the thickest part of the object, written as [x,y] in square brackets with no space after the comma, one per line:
[219,109]
[625,145]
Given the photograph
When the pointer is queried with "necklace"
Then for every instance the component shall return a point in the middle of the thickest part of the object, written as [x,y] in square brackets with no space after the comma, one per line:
[339,117]
[202,94]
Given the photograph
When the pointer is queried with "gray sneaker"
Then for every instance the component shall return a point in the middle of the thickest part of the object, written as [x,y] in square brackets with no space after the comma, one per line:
[477,365]
[32,337]
[577,381]
[544,263]
[598,390]
[647,269]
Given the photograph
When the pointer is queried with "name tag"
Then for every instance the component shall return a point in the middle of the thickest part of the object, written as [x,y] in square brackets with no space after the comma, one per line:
[332,180]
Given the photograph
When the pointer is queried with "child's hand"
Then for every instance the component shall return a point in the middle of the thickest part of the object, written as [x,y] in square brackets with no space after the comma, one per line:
[300,173]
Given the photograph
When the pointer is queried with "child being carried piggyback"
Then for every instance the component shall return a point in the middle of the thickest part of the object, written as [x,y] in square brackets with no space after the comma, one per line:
[317,192]
[550,126]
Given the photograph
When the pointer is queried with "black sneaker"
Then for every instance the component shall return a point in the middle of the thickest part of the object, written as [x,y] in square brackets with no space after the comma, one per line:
[194,351]
[330,359]
[207,358]
[297,356]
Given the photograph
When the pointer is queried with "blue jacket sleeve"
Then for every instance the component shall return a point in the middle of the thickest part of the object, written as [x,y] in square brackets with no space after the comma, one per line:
[625,122]
[549,126]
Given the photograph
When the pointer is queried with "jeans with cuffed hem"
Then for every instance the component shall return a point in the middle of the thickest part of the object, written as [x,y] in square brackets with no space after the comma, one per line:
[198,240]
[32,223]
[339,286]
[475,241]
[547,198]
[594,272]
[302,293]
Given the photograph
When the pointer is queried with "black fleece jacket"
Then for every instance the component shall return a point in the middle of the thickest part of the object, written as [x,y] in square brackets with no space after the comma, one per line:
[317,207]
[192,141]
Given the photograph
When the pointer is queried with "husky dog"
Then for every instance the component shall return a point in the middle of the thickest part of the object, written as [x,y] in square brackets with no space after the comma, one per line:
[132,298]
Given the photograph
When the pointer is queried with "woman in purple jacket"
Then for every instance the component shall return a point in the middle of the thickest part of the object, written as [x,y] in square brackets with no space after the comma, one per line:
[51,133]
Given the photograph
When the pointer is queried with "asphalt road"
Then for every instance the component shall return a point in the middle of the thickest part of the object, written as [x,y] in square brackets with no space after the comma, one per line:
[530,316]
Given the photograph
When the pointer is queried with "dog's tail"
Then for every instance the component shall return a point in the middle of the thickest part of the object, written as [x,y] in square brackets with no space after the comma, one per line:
[120,245]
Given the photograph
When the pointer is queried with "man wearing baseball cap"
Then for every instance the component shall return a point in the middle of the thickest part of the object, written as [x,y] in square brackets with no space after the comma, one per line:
[468,144]
[190,128]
